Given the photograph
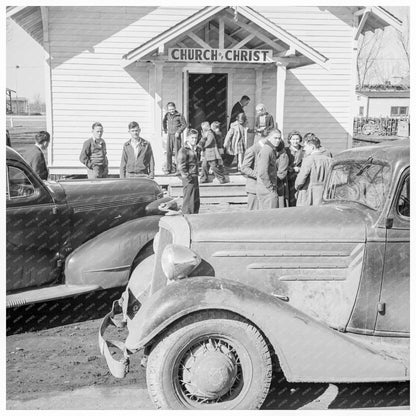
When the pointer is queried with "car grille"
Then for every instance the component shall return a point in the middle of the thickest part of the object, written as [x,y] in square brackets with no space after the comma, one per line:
[158,277]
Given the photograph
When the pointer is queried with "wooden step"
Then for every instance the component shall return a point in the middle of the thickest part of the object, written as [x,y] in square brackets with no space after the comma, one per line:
[215,193]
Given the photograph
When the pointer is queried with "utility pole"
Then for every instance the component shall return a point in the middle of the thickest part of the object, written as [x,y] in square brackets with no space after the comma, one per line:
[17,97]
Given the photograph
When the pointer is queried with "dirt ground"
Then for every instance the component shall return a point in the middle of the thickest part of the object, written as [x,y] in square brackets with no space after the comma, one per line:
[66,358]
[61,357]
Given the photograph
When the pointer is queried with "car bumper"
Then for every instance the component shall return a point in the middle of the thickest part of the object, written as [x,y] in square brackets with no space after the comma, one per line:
[118,368]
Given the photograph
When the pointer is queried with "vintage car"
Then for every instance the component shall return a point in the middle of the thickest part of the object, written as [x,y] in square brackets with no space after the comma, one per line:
[70,237]
[321,291]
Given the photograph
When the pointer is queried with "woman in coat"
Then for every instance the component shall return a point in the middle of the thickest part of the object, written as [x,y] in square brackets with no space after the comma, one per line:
[236,139]
[295,153]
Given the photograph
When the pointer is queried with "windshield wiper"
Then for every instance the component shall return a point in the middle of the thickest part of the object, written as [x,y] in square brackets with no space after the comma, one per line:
[368,163]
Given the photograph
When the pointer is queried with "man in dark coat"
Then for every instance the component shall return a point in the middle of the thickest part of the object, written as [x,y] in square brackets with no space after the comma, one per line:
[8,141]
[35,157]
[188,168]
[239,108]
[137,156]
[268,181]
[174,124]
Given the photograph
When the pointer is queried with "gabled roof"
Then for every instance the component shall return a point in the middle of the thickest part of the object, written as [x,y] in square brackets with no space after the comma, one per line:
[29,19]
[208,12]
[376,18]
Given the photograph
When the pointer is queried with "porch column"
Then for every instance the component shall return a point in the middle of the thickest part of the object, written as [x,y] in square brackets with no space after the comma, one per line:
[259,86]
[48,82]
[280,94]
[158,147]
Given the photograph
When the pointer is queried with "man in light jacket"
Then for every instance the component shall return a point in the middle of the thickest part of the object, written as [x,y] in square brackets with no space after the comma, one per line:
[137,156]
[249,170]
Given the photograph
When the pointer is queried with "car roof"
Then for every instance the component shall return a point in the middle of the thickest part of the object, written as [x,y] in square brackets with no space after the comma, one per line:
[391,152]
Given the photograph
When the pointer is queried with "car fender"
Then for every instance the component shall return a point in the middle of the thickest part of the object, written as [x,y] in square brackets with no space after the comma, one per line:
[308,350]
[106,260]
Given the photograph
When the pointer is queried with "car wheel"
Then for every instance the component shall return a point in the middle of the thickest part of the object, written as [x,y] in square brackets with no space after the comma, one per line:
[210,360]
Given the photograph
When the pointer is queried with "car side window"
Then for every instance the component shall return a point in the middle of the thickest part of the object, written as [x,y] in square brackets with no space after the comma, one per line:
[403,203]
[19,185]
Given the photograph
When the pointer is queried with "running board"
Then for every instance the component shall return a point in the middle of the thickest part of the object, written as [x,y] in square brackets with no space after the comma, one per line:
[47,293]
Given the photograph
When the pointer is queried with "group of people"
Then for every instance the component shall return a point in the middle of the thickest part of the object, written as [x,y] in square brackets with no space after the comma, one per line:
[285,176]
[277,175]
[136,157]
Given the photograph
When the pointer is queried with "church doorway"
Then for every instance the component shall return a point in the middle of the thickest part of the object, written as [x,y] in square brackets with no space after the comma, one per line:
[207,99]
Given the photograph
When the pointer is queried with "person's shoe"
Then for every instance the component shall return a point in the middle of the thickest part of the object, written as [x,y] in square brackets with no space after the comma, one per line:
[203,181]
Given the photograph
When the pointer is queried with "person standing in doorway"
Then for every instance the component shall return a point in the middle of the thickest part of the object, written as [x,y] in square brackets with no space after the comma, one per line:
[313,172]
[266,187]
[211,158]
[94,153]
[188,168]
[35,156]
[137,155]
[174,124]
[238,108]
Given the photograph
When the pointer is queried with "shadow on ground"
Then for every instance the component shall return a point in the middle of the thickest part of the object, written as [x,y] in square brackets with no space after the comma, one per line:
[290,396]
[45,315]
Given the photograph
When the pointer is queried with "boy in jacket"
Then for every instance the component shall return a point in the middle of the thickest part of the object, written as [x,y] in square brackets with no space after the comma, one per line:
[94,154]
[188,168]
[174,124]
[137,156]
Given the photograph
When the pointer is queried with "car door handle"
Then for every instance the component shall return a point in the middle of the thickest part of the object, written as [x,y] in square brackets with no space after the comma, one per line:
[118,216]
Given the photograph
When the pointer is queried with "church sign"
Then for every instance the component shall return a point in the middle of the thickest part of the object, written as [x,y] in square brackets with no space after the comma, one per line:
[259,56]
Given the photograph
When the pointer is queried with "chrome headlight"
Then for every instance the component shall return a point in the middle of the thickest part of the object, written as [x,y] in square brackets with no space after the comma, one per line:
[178,261]
[156,239]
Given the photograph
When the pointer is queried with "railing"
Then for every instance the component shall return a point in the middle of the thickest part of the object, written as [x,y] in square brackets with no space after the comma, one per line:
[378,126]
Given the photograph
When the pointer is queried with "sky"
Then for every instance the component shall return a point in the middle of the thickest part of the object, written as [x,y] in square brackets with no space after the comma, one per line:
[29,80]
[28,55]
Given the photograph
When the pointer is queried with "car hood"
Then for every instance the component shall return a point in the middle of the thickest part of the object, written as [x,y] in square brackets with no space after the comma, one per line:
[87,192]
[333,222]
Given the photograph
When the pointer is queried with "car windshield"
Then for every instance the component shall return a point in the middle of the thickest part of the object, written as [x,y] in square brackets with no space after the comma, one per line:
[366,182]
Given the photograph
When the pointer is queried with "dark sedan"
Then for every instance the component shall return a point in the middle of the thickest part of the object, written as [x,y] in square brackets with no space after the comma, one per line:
[46,221]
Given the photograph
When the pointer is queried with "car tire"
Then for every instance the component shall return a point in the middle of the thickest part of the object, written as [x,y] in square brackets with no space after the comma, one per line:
[210,360]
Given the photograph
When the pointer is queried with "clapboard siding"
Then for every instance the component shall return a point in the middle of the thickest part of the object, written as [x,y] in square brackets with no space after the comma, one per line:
[244,83]
[317,99]
[88,81]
